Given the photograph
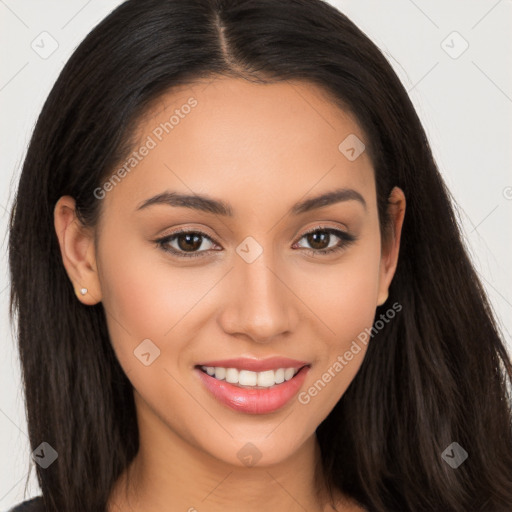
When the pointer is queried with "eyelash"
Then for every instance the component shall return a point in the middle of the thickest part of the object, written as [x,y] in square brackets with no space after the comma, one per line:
[346,240]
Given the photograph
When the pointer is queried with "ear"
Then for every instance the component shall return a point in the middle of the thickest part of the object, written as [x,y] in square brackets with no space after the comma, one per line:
[77,250]
[391,243]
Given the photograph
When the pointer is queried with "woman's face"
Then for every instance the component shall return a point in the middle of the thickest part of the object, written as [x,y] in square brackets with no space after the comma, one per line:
[255,285]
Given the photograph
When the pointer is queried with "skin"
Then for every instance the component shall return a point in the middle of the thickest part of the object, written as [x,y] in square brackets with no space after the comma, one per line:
[260,148]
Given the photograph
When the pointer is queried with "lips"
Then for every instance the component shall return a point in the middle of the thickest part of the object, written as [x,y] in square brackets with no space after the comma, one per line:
[253,399]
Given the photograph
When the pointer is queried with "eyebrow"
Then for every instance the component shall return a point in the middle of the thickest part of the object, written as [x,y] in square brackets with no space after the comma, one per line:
[218,207]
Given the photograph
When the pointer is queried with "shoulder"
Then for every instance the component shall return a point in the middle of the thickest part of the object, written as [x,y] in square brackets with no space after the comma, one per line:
[32,505]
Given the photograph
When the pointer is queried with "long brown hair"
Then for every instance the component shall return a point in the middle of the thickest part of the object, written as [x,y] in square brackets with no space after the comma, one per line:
[437,374]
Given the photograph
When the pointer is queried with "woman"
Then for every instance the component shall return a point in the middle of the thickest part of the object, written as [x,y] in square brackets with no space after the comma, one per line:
[235,260]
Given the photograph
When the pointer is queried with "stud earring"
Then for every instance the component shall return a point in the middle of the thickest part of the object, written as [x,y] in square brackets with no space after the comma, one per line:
[83,291]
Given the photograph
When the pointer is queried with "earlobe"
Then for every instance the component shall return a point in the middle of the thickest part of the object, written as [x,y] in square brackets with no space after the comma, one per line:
[391,245]
[383,297]
[77,250]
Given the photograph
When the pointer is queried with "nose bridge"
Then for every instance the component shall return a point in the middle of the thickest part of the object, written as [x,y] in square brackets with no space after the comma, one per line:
[260,304]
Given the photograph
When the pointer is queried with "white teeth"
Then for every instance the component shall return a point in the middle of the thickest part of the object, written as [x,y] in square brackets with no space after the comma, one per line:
[220,373]
[231,375]
[248,378]
[265,379]
[289,373]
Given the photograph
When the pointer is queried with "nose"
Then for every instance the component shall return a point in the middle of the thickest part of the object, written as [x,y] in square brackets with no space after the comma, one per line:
[261,304]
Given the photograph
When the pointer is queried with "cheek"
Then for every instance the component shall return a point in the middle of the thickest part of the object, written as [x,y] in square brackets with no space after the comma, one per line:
[344,295]
[146,295]
[344,300]
[146,299]
[143,300]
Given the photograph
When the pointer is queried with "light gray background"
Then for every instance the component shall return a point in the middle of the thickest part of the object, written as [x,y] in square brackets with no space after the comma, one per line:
[464,102]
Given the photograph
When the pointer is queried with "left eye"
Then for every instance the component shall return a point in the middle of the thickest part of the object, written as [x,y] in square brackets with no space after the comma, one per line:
[189,243]
[319,236]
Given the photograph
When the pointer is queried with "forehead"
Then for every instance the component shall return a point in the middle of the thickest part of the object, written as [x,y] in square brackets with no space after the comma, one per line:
[231,138]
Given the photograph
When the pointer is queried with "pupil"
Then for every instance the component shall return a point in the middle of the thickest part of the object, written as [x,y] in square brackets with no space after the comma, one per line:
[313,239]
[195,239]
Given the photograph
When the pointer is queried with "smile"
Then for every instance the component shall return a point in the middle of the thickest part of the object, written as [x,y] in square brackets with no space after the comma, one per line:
[252,392]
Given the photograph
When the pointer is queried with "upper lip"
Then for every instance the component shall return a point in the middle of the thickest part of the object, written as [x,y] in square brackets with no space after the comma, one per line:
[257,365]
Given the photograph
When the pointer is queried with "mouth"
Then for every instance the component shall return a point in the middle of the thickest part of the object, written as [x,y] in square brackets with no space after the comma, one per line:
[249,391]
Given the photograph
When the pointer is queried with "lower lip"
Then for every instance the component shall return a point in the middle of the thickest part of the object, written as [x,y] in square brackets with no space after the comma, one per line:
[254,401]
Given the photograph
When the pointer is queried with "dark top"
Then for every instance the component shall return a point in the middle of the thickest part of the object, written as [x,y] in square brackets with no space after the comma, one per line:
[33,505]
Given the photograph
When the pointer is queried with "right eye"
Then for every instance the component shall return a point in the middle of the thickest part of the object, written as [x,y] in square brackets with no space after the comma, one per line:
[185,240]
